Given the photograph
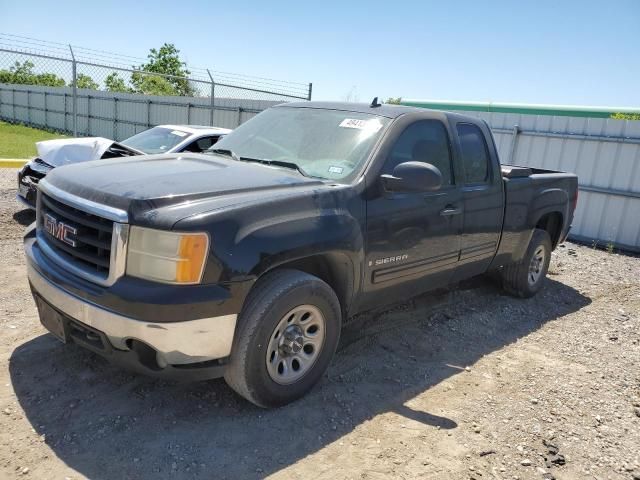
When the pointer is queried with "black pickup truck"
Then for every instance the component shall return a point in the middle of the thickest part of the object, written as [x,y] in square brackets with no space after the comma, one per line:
[245,261]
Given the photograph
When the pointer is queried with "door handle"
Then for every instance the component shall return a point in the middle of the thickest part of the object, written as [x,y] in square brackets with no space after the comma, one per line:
[450,210]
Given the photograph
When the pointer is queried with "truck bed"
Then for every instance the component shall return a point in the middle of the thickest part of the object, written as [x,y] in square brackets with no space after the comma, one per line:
[529,194]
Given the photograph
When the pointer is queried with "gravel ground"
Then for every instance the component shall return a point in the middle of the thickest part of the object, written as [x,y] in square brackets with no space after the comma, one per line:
[469,384]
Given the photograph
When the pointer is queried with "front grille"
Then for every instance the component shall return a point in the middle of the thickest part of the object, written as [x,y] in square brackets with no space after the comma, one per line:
[92,250]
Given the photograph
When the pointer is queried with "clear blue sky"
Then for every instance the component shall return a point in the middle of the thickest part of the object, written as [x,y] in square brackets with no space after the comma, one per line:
[561,52]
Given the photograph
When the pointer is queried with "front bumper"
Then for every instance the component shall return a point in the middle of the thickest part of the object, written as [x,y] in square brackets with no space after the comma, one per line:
[195,345]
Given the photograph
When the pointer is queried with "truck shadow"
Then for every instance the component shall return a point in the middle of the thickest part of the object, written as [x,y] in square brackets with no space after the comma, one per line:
[25,217]
[106,423]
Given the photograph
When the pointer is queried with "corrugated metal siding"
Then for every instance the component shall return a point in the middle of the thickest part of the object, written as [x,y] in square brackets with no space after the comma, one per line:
[611,165]
[119,115]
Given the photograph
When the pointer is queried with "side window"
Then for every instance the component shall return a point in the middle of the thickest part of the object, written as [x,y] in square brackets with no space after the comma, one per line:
[200,145]
[475,154]
[423,141]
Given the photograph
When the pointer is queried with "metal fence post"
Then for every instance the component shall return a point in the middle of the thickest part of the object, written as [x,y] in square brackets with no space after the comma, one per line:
[75,92]
[310,90]
[514,144]
[45,108]
[213,95]
[148,113]
[29,106]
[88,115]
[115,118]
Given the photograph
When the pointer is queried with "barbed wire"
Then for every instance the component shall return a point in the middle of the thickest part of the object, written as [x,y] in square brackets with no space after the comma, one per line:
[34,46]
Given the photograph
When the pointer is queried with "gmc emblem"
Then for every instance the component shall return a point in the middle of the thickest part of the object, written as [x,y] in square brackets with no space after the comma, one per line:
[59,230]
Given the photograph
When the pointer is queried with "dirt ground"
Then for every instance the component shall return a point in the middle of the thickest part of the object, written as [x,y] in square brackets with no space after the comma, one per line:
[470,384]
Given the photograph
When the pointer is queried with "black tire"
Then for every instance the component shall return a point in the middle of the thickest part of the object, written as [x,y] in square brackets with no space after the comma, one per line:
[517,277]
[273,296]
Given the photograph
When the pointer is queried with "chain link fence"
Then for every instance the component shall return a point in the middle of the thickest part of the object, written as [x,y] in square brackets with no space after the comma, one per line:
[92,93]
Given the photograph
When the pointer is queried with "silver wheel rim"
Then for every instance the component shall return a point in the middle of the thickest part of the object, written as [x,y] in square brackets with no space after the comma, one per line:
[537,265]
[295,344]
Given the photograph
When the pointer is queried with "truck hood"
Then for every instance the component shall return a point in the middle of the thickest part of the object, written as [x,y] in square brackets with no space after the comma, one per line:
[160,190]
[65,151]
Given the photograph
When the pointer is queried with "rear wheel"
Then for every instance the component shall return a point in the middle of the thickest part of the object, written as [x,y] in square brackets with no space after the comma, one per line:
[525,278]
[287,334]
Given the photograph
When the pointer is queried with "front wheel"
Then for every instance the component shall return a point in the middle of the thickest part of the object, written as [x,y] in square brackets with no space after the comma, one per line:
[287,334]
[525,278]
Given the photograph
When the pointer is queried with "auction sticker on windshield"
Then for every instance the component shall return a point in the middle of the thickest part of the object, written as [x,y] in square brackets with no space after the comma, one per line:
[373,124]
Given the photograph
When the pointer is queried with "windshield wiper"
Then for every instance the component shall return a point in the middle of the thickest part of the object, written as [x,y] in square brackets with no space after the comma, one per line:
[225,151]
[277,163]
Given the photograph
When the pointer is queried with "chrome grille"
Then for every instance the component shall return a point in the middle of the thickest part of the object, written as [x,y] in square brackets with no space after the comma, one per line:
[92,238]
[95,248]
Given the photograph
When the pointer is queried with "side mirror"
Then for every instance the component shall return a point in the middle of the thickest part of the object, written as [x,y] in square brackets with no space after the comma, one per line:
[413,177]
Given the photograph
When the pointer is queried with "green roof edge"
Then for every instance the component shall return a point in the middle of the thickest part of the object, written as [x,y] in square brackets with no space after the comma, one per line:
[530,109]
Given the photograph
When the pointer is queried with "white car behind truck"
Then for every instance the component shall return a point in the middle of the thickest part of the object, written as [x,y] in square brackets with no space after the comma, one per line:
[66,151]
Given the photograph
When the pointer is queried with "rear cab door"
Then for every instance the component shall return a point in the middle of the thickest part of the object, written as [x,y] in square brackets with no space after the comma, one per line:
[482,196]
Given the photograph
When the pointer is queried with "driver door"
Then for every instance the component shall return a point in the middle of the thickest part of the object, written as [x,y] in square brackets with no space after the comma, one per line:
[413,239]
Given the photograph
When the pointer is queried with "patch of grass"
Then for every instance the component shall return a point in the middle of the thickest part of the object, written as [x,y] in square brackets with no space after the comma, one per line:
[610,247]
[18,141]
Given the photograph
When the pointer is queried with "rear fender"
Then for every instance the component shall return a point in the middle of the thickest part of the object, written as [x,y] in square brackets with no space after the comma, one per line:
[548,201]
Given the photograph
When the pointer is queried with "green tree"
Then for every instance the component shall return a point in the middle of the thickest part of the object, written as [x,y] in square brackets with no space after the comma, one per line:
[164,61]
[49,80]
[23,74]
[152,84]
[394,101]
[115,83]
[85,81]
[626,116]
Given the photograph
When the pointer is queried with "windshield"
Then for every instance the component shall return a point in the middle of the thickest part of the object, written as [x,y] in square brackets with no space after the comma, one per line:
[156,140]
[328,144]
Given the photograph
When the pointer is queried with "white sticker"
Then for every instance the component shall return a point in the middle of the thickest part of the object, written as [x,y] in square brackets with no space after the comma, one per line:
[335,169]
[179,133]
[372,125]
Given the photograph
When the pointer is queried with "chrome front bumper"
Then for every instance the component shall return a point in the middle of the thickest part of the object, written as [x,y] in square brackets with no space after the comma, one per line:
[176,343]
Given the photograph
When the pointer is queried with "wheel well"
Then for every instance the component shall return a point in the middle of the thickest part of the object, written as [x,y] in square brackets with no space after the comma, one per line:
[552,224]
[334,269]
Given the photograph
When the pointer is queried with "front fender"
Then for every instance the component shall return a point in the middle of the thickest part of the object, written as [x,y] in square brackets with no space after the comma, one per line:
[282,240]
[248,240]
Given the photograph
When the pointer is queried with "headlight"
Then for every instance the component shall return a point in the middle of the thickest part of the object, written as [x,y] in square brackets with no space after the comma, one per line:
[164,256]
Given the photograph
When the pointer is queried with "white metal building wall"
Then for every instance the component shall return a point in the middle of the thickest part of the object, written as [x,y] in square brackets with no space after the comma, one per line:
[604,153]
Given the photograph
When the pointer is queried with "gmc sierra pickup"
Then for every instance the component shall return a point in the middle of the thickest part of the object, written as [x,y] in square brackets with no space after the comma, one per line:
[244,262]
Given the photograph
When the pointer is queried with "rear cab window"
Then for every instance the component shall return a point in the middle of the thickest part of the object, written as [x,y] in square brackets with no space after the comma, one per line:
[475,154]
